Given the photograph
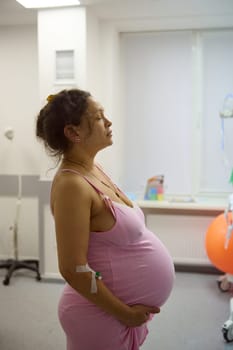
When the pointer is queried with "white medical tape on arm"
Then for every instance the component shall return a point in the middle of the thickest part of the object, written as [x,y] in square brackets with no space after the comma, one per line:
[86,268]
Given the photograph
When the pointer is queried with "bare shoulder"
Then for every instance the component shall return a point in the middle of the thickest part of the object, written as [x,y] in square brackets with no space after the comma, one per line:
[68,186]
[64,181]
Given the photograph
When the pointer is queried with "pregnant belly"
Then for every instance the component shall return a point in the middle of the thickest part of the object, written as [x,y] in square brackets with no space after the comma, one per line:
[143,274]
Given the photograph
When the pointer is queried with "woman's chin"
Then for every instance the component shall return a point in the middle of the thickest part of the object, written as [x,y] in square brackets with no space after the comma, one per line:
[110,141]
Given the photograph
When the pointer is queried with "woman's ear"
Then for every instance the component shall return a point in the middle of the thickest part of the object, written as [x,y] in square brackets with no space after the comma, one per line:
[71,133]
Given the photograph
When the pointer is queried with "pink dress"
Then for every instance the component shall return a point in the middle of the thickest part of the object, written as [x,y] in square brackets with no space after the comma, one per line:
[135,266]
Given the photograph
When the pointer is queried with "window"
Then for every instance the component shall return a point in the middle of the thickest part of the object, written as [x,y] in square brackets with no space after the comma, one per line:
[217,52]
[174,86]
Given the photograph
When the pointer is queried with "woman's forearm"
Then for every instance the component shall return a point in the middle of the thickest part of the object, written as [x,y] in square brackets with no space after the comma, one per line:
[104,298]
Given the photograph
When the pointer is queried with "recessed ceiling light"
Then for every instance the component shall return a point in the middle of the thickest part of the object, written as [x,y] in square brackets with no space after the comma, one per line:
[47,3]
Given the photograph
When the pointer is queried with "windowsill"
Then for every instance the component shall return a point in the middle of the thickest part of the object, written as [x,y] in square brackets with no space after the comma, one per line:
[208,205]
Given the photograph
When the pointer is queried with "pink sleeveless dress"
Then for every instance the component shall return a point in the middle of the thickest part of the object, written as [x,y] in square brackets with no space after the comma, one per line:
[135,266]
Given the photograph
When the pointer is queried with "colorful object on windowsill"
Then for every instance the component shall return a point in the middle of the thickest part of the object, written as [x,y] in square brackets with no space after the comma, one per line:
[154,188]
[231,177]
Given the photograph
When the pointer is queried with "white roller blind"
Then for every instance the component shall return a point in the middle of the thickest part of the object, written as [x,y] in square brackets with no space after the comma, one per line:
[157,81]
[217,48]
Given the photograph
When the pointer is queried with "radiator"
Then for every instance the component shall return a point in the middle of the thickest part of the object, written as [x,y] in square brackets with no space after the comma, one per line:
[183,235]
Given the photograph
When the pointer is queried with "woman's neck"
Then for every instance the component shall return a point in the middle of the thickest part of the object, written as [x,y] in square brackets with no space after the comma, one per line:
[83,161]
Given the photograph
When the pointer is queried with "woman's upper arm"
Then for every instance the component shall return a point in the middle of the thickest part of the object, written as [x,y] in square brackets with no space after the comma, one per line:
[72,212]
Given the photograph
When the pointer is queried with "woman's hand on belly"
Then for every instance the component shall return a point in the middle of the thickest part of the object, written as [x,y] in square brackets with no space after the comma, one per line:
[140,314]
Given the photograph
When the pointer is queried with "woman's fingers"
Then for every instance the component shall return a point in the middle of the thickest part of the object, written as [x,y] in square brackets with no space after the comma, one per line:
[154,310]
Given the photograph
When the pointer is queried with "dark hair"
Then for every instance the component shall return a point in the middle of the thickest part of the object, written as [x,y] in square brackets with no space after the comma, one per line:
[66,107]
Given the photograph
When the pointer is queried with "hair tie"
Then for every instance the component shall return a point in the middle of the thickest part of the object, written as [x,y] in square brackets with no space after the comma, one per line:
[50,98]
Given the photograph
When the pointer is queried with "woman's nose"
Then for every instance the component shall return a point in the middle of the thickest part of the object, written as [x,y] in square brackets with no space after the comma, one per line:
[108,122]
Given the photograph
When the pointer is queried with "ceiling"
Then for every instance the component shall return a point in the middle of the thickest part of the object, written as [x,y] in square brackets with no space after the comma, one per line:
[12,13]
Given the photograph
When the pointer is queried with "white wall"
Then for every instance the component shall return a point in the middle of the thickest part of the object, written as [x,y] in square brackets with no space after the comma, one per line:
[110,97]
[59,29]
[18,109]
[93,54]
[19,99]
[28,237]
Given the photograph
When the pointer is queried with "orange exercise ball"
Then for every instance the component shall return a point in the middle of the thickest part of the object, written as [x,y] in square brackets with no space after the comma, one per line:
[216,234]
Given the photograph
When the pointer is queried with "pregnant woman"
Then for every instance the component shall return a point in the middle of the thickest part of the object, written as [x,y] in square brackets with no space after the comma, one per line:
[118,273]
